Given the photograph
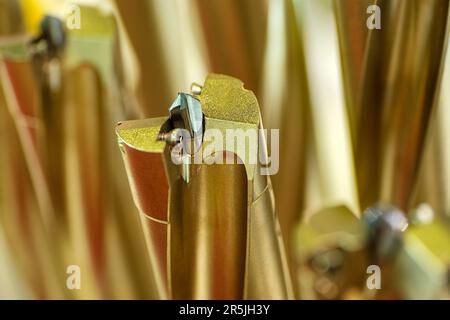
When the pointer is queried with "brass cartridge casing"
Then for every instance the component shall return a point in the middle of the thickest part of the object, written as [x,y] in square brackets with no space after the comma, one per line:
[211,229]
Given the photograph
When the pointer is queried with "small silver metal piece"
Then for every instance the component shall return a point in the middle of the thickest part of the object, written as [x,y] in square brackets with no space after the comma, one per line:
[172,138]
[196,89]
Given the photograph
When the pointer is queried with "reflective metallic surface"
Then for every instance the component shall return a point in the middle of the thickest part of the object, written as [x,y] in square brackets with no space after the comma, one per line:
[211,229]
[351,183]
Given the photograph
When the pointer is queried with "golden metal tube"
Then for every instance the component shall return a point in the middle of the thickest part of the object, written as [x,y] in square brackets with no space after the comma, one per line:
[30,217]
[240,26]
[351,18]
[63,107]
[211,228]
[401,76]
[209,233]
[285,102]
[103,241]
[139,19]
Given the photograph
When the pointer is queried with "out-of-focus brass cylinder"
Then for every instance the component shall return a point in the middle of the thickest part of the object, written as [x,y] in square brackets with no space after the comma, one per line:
[400,82]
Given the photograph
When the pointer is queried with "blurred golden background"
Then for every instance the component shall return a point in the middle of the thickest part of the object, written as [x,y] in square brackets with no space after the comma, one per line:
[364,117]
